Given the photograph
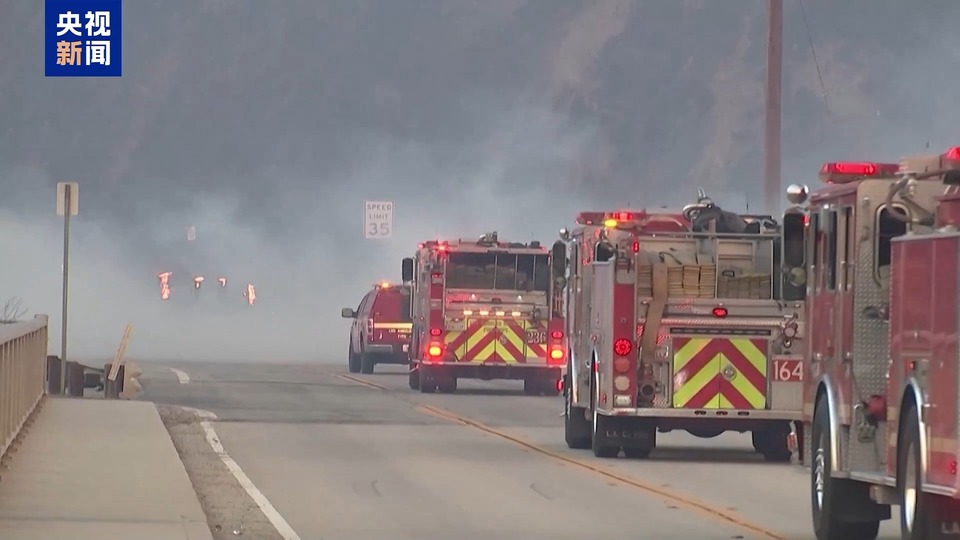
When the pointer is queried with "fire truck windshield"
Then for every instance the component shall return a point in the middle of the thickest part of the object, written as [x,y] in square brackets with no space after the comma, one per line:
[500,271]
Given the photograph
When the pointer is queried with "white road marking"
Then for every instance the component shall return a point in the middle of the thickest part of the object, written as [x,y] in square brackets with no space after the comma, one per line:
[258,497]
[181,375]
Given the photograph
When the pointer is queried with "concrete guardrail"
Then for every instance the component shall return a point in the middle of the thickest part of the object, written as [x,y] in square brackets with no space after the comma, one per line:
[23,366]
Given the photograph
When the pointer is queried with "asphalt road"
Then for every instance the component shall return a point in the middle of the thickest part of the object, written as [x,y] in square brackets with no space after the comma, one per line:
[358,457]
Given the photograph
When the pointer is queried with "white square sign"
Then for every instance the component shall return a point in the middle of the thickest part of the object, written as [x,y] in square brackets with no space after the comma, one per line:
[377,219]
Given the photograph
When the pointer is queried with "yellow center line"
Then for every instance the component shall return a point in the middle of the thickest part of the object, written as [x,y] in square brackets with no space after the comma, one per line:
[691,503]
[361,382]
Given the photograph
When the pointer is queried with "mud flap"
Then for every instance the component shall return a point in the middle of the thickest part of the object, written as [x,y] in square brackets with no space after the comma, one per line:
[629,432]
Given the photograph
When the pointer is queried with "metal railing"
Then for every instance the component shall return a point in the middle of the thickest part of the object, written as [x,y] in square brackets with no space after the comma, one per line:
[23,364]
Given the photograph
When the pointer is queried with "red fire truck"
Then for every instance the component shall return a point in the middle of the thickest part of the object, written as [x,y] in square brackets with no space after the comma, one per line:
[881,392]
[681,322]
[483,309]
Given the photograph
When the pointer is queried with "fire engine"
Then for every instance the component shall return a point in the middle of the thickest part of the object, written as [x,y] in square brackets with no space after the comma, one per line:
[483,309]
[881,395]
[681,322]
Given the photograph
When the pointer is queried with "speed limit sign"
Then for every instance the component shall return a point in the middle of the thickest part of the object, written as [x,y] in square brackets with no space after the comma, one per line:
[377,219]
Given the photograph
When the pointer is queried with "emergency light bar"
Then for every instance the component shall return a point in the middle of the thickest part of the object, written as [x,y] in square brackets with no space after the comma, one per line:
[846,172]
[951,159]
[607,219]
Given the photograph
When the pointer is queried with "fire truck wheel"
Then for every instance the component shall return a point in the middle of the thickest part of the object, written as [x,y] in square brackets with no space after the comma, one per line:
[914,512]
[428,384]
[601,449]
[448,385]
[774,442]
[833,498]
[367,361]
[414,378]
[576,427]
[353,361]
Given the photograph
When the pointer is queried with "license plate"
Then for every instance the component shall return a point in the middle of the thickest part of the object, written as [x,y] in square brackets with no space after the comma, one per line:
[406,348]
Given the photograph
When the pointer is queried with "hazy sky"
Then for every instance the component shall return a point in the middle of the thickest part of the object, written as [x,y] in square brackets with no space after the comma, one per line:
[267,128]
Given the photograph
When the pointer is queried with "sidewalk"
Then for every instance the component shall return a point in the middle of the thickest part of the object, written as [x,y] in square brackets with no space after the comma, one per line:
[92,469]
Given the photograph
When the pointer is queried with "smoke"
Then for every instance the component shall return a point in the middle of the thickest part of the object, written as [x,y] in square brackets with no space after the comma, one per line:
[508,177]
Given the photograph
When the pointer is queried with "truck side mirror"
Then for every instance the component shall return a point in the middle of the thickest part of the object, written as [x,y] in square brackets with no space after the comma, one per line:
[348,313]
[407,271]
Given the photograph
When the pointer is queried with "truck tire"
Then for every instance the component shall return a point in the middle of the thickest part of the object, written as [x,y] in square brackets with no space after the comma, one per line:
[414,378]
[773,442]
[367,361]
[601,448]
[353,360]
[915,519]
[447,386]
[428,384]
[576,427]
[832,499]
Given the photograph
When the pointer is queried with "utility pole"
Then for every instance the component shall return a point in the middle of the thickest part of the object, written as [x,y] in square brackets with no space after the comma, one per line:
[771,169]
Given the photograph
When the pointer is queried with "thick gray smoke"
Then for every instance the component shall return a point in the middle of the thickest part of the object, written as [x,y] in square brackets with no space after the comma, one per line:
[510,178]
[507,115]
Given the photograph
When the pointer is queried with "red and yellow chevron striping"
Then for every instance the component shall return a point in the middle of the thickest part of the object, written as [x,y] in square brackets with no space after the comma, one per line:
[719,373]
[500,341]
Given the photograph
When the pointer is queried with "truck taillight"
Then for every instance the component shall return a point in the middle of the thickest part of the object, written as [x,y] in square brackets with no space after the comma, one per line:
[556,353]
[435,332]
[621,364]
[370,329]
[622,347]
[556,334]
[435,350]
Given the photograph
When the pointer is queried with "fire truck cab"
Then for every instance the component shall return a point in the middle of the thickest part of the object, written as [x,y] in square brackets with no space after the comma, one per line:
[881,391]
[681,321]
[482,309]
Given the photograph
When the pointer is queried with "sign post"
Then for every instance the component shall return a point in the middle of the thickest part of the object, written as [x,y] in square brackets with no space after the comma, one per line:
[68,204]
[378,219]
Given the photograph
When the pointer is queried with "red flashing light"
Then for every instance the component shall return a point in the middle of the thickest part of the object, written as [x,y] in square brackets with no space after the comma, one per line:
[635,246]
[556,334]
[622,216]
[622,347]
[435,331]
[435,350]
[436,275]
[559,385]
[719,312]
[556,353]
[442,247]
[843,172]
[952,154]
